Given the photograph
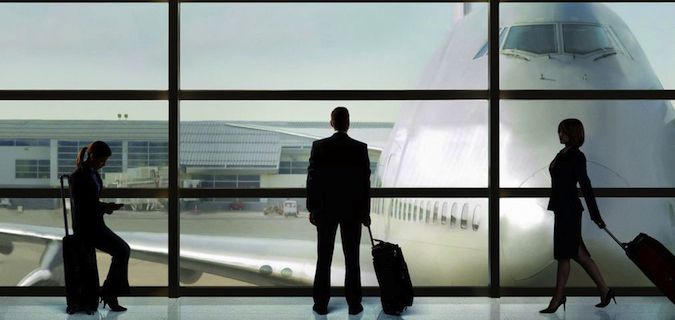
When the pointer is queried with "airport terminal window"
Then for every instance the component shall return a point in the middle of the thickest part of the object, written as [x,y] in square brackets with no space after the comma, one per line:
[585,38]
[24,142]
[225,181]
[148,153]
[243,46]
[68,150]
[84,46]
[526,237]
[293,167]
[32,169]
[539,39]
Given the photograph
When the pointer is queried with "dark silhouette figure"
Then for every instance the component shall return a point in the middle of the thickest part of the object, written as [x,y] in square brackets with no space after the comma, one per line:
[567,168]
[338,193]
[86,185]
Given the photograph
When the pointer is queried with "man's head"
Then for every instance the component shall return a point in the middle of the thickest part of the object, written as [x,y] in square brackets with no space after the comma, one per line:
[339,119]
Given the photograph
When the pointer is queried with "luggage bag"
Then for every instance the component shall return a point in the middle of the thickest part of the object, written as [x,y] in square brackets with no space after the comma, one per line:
[653,259]
[80,270]
[396,290]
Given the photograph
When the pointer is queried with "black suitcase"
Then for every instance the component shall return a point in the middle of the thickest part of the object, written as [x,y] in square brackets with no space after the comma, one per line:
[653,259]
[396,290]
[80,270]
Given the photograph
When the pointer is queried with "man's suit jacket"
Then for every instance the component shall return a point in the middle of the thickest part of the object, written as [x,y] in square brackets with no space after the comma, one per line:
[338,179]
[566,170]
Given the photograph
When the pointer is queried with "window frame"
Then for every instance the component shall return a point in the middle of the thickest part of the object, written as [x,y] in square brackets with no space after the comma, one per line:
[174,192]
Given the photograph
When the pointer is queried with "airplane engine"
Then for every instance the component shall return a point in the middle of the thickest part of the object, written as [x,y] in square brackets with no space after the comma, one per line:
[189,276]
[6,247]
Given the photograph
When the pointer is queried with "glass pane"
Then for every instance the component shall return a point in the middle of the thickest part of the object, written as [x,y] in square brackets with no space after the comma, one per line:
[49,135]
[269,242]
[594,46]
[628,143]
[31,231]
[412,144]
[83,46]
[333,45]
[527,240]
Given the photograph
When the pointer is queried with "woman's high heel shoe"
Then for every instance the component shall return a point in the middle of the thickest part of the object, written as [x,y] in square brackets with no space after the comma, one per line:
[553,310]
[604,301]
[112,303]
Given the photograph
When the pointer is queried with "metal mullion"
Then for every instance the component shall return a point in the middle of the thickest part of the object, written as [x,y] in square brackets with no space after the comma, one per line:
[301,193]
[88,1]
[59,291]
[598,192]
[106,193]
[174,149]
[441,291]
[587,94]
[83,94]
[608,1]
[493,147]
[334,94]
[314,1]
[236,291]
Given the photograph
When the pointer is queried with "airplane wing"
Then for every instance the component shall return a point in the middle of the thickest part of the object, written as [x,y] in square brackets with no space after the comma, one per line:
[258,261]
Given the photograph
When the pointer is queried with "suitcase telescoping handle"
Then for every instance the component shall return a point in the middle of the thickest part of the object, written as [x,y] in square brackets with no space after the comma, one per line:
[372,240]
[63,203]
[623,245]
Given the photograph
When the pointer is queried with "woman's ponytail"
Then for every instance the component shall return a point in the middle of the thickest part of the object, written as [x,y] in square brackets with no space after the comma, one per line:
[80,157]
[96,149]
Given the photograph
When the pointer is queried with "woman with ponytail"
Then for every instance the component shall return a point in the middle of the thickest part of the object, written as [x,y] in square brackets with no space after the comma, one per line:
[86,184]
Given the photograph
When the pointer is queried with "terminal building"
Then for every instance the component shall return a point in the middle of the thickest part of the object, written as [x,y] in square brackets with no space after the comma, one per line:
[213,154]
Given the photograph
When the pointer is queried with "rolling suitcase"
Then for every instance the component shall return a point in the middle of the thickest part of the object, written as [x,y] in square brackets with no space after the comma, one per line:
[80,270]
[396,290]
[654,259]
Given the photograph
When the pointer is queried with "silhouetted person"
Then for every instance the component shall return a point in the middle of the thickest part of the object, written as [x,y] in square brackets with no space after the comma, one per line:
[567,168]
[338,193]
[86,184]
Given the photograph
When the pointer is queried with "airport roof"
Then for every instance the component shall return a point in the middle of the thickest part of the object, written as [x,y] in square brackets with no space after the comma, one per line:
[214,144]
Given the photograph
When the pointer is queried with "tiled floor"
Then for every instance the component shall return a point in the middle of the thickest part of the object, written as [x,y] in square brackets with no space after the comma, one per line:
[652,308]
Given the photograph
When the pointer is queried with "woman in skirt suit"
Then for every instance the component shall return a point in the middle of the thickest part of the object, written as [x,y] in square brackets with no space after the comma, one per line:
[567,169]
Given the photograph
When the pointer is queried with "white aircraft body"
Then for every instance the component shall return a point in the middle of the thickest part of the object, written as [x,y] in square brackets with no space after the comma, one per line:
[546,46]
[444,144]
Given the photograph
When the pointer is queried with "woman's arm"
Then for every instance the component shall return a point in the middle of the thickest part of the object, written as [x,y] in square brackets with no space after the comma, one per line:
[85,194]
[587,189]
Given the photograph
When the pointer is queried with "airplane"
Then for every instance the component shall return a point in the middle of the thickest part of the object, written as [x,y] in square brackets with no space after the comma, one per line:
[444,144]
[544,46]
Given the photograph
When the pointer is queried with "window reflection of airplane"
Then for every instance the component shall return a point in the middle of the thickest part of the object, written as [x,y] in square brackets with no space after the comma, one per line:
[444,144]
[543,46]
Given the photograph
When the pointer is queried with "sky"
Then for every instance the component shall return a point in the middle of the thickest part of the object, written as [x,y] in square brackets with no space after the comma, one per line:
[246,46]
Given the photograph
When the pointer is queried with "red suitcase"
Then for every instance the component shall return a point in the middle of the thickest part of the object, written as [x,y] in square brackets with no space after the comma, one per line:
[654,259]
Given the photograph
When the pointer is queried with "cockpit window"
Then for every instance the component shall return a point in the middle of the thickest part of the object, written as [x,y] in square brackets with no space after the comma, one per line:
[539,39]
[584,38]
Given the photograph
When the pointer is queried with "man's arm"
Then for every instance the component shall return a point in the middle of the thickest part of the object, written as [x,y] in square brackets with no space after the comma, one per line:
[366,187]
[313,181]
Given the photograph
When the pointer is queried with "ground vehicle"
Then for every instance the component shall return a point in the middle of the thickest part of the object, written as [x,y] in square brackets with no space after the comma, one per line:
[290,208]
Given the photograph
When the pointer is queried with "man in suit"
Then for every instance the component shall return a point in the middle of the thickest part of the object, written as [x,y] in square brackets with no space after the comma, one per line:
[338,194]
